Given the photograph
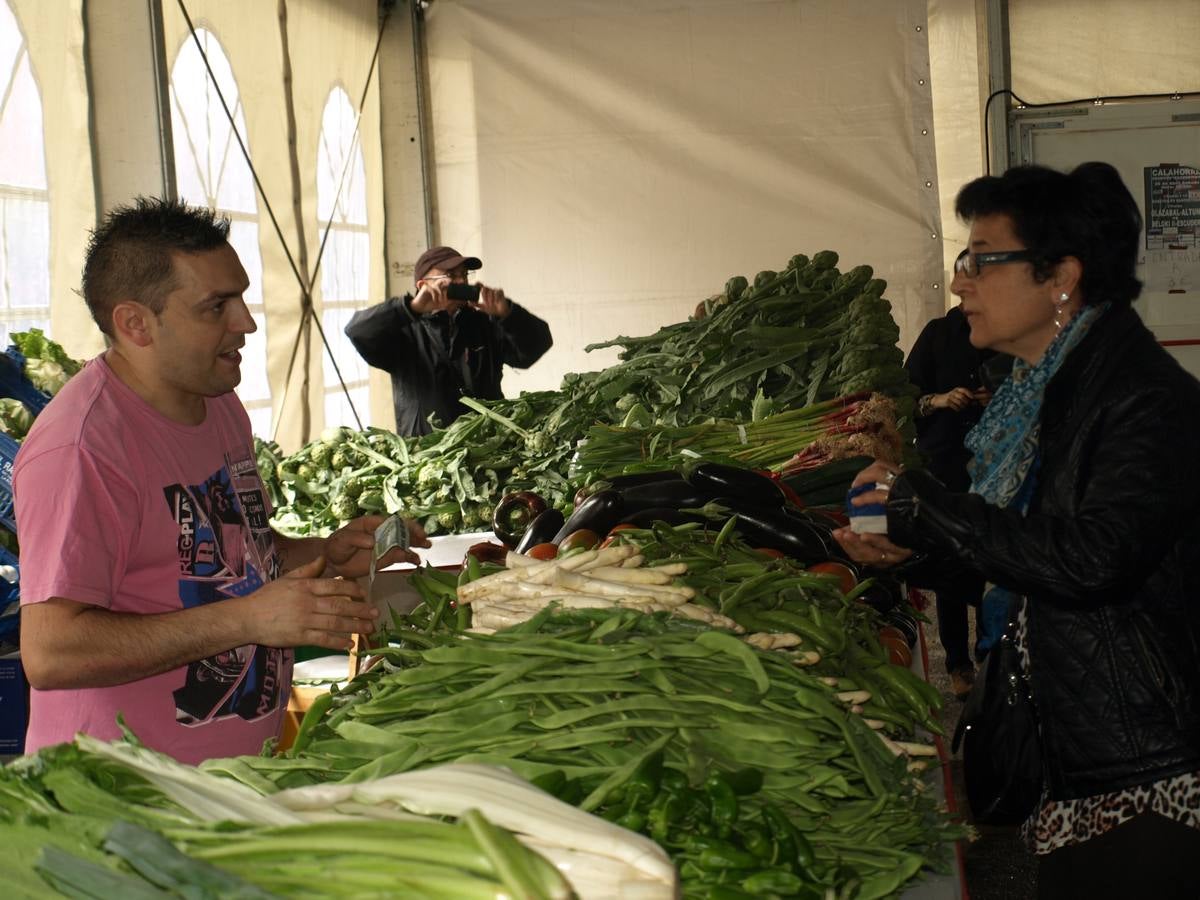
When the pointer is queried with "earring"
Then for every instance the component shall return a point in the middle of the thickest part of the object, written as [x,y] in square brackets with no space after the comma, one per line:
[1058,310]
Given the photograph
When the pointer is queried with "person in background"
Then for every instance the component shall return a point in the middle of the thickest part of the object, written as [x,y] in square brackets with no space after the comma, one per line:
[449,339]
[946,369]
[152,584]
[1085,508]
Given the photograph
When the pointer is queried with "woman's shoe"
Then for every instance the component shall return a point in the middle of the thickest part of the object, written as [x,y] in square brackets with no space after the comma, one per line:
[961,681]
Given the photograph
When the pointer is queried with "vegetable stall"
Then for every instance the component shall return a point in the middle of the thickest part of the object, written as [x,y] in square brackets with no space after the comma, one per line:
[651,675]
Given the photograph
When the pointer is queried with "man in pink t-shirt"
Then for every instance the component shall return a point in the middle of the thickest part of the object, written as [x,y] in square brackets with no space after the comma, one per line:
[152,585]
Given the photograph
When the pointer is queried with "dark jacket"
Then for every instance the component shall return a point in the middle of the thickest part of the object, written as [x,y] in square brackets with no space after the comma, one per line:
[1107,555]
[435,359]
[941,360]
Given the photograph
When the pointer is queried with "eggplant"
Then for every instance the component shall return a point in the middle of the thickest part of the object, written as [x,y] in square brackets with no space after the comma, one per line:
[644,518]
[621,482]
[598,513]
[672,494]
[513,514]
[541,530]
[733,481]
[774,528]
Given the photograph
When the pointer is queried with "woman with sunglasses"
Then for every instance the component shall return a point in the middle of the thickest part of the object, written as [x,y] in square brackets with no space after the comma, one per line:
[1084,507]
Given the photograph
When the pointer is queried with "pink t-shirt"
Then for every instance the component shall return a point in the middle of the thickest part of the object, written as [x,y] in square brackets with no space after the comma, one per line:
[121,507]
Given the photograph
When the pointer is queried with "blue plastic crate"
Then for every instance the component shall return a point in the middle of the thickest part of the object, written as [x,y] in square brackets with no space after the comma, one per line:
[13,382]
[8,453]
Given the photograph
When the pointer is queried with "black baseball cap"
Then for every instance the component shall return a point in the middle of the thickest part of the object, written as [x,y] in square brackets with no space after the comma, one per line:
[444,258]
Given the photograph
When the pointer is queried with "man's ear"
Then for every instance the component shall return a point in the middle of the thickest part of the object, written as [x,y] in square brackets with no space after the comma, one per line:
[131,322]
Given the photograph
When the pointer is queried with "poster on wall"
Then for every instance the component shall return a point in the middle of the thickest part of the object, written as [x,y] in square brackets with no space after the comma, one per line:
[1172,204]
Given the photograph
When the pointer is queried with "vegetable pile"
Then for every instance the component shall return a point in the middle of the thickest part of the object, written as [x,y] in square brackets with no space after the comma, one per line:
[800,337]
[780,761]
[97,820]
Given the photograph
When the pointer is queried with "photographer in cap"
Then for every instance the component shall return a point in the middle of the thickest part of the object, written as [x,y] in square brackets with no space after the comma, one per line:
[451,338]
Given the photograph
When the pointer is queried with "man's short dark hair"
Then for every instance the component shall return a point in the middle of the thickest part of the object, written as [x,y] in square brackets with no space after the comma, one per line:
[129,254]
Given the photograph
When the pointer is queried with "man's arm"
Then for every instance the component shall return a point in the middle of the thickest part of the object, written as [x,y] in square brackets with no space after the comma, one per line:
[525,337]
[382,334]
[65,644]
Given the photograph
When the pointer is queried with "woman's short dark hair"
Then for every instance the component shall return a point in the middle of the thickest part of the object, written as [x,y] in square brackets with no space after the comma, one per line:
[129,255]
[1087,213]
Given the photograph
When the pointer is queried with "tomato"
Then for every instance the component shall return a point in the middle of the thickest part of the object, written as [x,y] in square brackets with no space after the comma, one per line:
[487,552]
[624,526]
[847,580]
[583,539]
[769,551]
[897,648]
[892,631]
[542,551]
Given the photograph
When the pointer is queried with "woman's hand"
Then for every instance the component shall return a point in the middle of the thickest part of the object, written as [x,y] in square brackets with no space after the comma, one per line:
[957,399]
[873,550]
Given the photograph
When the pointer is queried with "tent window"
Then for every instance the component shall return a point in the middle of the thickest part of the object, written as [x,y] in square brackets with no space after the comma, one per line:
[345,264]
[24,199]
[211,171]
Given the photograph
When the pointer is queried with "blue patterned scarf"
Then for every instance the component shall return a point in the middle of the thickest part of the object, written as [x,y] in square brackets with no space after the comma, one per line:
[1005,446]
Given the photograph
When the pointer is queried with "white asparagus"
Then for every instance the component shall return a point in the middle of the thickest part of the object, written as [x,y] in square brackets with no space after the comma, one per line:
[853,696]
[806,658]
[519,560]
[703,614]
[913,749]
[607,556]
[671,568]
[665,592]
[630,575]
[633,562]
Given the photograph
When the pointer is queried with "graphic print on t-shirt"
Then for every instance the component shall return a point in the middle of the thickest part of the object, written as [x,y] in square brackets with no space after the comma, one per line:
[226,549]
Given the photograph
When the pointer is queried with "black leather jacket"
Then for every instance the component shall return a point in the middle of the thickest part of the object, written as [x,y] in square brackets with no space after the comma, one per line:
[435,359]
[1108,555]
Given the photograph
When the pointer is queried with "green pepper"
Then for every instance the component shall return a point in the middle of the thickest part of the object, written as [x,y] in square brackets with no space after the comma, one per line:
[757,840]
[745,781]
[572,792]
[722,855]
[642,786]
[666,810]
[673,780]
[774,881]
[795,847]
[634,820]
[723,803]
[551,782]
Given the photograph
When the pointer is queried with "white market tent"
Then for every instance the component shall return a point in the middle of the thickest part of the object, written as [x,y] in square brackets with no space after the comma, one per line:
[611,162]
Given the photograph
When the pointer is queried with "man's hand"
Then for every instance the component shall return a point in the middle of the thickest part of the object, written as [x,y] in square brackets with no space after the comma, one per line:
[349,549]
[493,302]
[303,608]
[431,297]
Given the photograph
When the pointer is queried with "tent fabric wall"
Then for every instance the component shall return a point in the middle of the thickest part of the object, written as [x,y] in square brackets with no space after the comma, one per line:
[614,163]
[329,44]
[55,37]
[958,112]
[1076,49]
